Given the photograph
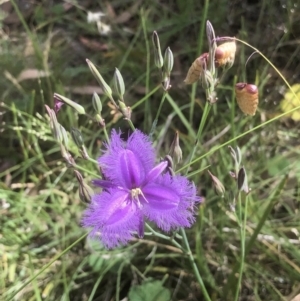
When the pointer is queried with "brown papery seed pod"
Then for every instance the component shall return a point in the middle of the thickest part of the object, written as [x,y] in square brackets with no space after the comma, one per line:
[195,70]
[247,97]
[225,54]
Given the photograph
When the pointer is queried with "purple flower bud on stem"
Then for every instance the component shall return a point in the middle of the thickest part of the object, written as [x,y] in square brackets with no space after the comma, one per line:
[77,107]
[57,105]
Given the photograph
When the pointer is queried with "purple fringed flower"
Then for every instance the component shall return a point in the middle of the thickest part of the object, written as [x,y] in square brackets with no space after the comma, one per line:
[135,189]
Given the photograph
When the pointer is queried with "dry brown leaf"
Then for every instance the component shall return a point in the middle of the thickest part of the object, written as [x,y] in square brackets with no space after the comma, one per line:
[32,74]
[92,44]
[84,90]
[297,298]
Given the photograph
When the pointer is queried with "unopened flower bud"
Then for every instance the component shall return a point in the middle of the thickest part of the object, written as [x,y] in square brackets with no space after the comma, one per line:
[212,45]
[105,87]
[210,33]
[195,70]
[168,61]
[247,97]
[236,154]
[77,137]
[97,103]
[77,107]
[126,111]
[65,138]
[78,140]
[57,105]
[55,126]
[66,155]
[242,181]
[119,84]
[52,117]
[217,184]
[158,59]
[225,54]
[175,150]
[85,192]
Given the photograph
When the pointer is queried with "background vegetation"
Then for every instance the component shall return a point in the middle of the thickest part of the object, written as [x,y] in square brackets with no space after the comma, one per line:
[43,48]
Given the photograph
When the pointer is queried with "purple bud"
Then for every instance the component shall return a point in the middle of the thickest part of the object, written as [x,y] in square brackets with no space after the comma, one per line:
[57,105]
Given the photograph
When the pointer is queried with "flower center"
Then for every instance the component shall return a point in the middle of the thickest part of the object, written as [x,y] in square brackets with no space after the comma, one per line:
[135,193]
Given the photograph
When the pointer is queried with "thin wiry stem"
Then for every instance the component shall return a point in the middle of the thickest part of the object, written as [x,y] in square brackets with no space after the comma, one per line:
[171,239]
[194,265]
[200,130]
[47,265]
[242,224]
[158,112]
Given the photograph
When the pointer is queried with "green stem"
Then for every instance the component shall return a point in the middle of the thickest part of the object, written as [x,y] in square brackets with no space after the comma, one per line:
[157,113]
[147,120]
[242,223]
[187,251]
[48,265]
[199,50]
[171,239]
[194,265]
[200,130]
[106,135]
[131,124]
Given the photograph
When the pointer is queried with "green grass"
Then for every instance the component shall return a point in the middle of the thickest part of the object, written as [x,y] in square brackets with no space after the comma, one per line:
[44,253]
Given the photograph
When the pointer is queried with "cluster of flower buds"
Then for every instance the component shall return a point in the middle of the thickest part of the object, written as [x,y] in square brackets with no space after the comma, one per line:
[59,132]
[240,176]
[204,67]
[165,64]
[119,89]
[221,57]
[247,97]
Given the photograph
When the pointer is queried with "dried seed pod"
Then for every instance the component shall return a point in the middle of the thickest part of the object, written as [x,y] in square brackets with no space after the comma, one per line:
[225,54]
[195,70]
[247,97]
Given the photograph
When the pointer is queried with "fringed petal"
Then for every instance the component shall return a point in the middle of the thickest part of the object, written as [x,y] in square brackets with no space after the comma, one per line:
[127,163]
[171,203]
[112,217]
